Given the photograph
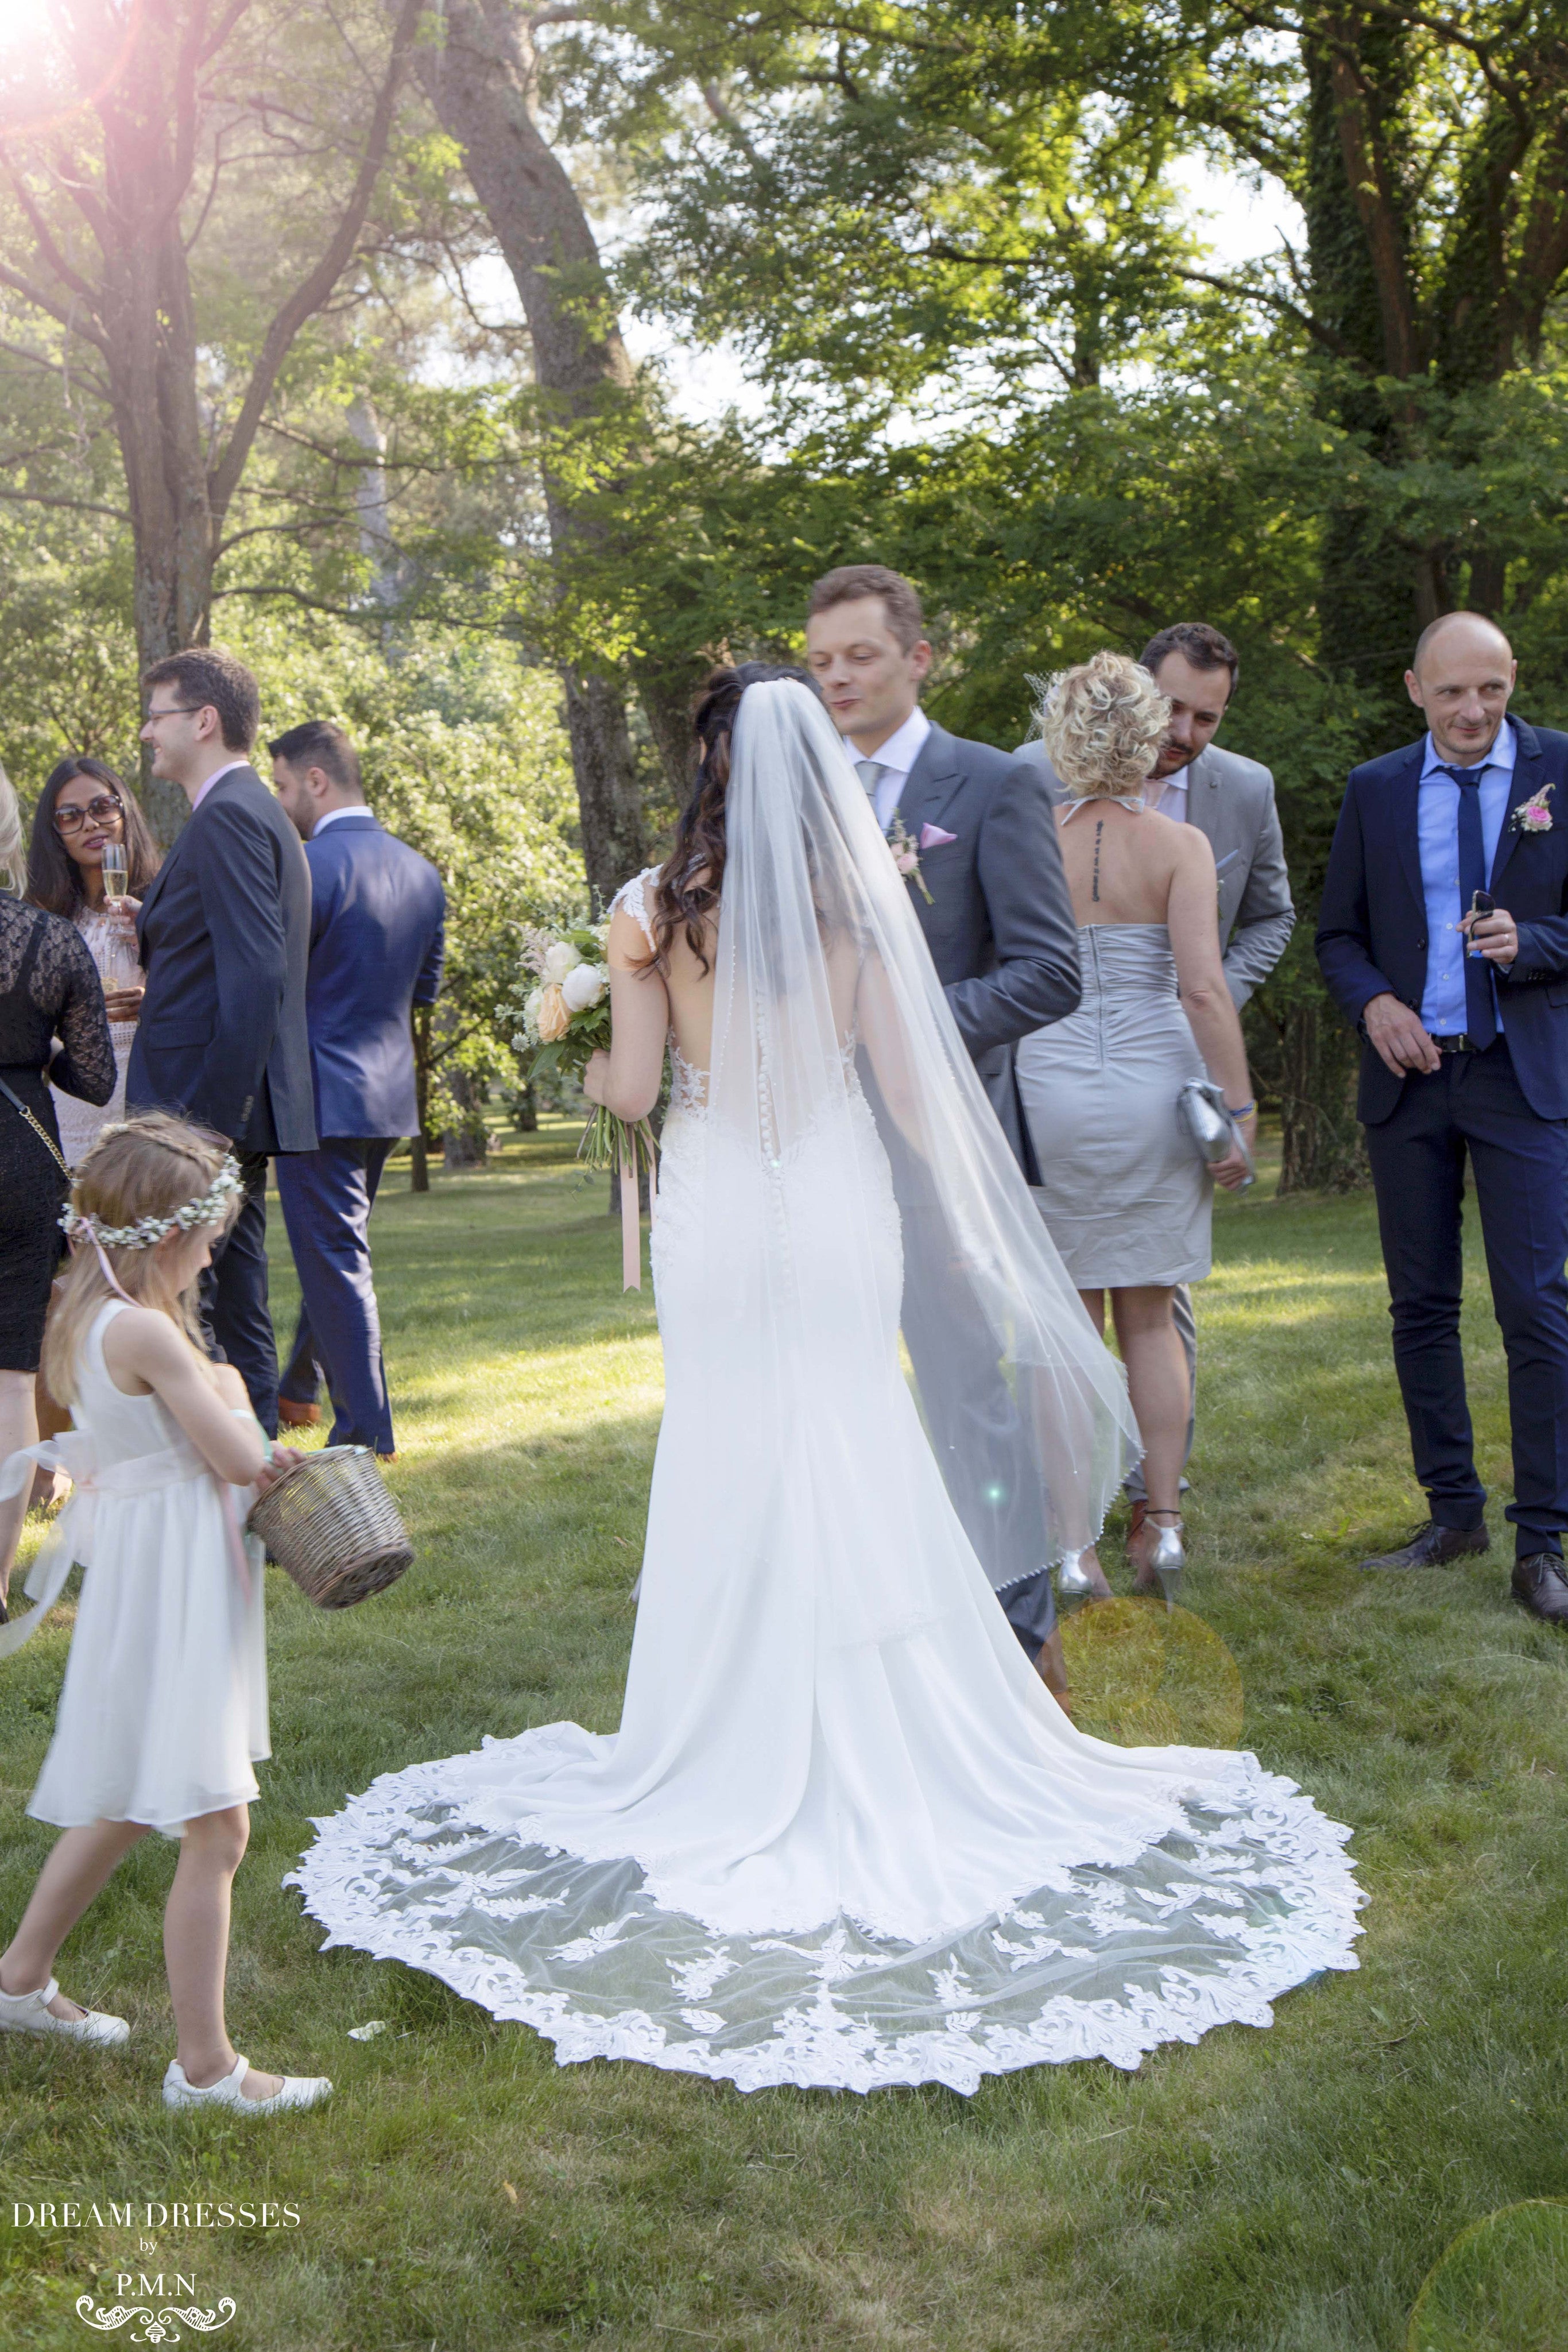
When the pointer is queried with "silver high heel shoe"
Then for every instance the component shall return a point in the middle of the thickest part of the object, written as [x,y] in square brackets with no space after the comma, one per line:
[1075,1584]
[1169,1555]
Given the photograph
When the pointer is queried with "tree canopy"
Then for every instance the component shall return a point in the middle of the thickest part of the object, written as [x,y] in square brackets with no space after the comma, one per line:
[251,383]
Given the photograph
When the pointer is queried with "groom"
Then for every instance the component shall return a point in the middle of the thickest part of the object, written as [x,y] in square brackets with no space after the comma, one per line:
[1000,931]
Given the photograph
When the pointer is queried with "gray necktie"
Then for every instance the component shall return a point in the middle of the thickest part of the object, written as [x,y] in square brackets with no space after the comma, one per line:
[870,772]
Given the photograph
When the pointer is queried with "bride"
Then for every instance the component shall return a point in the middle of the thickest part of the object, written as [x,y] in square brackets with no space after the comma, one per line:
[844,1835]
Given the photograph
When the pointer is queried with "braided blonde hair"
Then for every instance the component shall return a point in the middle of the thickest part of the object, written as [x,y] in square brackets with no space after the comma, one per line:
[145,1168]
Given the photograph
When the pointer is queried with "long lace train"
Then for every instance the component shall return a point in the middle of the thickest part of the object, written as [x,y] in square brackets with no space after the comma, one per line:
[1206,1926]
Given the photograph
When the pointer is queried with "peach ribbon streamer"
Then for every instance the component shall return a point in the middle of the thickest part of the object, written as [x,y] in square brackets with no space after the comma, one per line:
[631,1220]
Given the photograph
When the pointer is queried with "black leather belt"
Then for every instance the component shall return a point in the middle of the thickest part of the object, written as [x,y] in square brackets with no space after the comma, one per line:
[1458,1043]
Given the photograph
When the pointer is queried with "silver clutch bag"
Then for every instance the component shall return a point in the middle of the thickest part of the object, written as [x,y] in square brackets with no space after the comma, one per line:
[1214,1132]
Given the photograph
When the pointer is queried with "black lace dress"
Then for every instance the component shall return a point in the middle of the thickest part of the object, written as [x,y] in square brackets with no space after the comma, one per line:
[48,988]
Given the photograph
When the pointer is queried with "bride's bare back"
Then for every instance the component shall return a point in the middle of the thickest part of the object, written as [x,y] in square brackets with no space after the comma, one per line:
[649,1006]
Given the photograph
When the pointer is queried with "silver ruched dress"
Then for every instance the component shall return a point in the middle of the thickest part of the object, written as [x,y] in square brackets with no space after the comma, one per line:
[1123,1193]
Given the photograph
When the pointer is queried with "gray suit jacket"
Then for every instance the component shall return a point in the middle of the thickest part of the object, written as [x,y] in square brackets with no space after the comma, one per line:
[1231,800]
[999,928]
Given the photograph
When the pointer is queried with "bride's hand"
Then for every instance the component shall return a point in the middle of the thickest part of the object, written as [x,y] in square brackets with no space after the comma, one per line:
[595,1075]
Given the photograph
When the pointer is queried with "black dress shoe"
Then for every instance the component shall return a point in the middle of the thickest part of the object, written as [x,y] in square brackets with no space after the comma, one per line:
[1541,1585]
[1434,1547]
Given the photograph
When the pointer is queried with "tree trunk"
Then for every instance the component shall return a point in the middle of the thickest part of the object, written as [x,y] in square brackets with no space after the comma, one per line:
[467,1144]
[139,312]
[666,699]
[1319,1057]
[482,85]
[608,799]
[148,315]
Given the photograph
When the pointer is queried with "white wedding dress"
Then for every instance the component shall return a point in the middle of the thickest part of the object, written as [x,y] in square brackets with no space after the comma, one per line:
[843,1835]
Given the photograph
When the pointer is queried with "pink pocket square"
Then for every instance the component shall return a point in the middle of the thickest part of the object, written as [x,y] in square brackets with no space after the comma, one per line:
[933,837]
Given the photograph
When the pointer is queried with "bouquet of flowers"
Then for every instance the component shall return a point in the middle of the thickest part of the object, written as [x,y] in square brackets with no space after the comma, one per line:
[566,1020]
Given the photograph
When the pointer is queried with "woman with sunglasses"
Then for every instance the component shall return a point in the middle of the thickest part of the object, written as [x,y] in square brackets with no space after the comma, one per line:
[83,809]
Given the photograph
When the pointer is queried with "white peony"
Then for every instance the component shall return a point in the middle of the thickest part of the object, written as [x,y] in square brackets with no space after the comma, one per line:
[561,958]
[584,985]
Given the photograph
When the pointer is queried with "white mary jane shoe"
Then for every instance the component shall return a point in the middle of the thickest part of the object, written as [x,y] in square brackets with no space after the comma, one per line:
[29,2013]
[298,2090]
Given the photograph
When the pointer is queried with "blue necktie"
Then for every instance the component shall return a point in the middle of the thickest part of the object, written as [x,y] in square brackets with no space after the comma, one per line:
[1480,1018]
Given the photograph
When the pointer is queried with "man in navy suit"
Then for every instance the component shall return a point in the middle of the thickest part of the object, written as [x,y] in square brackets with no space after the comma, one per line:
[224,933]
[1465,1016]
[377,939]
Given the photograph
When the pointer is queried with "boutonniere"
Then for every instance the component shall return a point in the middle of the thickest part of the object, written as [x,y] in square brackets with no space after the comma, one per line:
[907,853]
[1533,816]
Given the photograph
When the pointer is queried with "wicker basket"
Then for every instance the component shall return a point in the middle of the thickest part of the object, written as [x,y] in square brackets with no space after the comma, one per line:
[332,1525]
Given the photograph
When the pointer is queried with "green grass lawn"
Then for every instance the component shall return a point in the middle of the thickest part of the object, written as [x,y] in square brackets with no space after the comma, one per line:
[1286,2192]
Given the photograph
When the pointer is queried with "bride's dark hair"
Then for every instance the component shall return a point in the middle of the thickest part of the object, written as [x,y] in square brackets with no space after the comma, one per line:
[691,876]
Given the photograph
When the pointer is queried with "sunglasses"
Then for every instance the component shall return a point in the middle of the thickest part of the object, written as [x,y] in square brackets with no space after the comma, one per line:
[101,811]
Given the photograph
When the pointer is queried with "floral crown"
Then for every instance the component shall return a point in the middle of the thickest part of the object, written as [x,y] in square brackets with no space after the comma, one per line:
[148,1232]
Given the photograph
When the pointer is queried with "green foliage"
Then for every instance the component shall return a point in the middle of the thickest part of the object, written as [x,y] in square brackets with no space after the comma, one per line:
[465,758]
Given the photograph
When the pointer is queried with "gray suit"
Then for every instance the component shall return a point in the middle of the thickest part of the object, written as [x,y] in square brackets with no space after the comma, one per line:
[1231,801]
[999,926]
[1001,935]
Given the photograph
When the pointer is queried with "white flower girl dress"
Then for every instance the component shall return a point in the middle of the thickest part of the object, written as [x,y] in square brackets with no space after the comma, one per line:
[162,1714]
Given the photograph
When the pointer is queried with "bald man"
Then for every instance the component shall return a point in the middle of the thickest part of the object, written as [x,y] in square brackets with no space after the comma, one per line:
[1445,938]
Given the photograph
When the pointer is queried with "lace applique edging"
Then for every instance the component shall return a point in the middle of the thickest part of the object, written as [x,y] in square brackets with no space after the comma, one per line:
[632,897]
[1209,1927]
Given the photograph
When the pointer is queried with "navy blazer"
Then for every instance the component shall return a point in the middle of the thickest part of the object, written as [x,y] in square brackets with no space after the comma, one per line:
[377,939]
[1372,934]
[225,933]
[1000,925]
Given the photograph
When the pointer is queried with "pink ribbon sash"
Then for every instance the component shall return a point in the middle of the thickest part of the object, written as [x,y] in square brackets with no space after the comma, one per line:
[71,1538]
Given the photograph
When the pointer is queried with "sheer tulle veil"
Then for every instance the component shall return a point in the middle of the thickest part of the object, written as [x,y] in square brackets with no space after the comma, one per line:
[820,959]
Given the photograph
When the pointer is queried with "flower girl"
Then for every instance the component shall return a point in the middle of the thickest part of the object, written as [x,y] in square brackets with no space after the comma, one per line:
[163,1709]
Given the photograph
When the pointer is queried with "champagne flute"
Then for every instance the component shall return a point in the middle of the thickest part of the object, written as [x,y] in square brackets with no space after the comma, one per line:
[116,870]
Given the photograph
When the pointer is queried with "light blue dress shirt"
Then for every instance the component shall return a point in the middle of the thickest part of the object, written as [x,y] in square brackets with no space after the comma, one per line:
[1437,823]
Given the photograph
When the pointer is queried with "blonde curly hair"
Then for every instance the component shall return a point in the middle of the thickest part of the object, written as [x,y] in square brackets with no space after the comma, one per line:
[1102,723]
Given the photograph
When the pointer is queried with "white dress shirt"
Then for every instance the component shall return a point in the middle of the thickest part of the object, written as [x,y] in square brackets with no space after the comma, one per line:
[1437,831]
[895,757]
[330,817]
[1168,796]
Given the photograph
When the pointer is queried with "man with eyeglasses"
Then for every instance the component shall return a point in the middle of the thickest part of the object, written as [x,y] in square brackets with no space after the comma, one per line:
[224,935]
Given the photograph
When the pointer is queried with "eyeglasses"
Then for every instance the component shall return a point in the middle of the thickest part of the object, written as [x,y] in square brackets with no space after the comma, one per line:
[176,711]
[102,810]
